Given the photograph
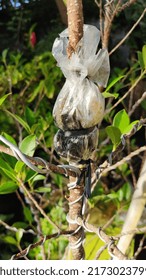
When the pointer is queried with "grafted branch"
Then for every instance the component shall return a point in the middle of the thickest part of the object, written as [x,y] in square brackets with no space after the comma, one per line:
[75,24]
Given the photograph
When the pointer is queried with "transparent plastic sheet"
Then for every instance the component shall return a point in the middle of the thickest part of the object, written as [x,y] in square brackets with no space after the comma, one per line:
[80,104]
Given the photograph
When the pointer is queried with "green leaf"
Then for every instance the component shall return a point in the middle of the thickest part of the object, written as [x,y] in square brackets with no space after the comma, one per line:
[112,195]
[19,235]
[38,177]
[18,166]
[8,187]
[20,225]
[10,240]
[16,77]
[140,60]
[108,94]
[144,55]
[7,169]
[3,98]
[39,89]
[128,193]
[120,194]
[20,120]
[129,127]
[29,115]
[28,214]
[28,145]
[113,82]
[43,190]
[4,55]
[9,138]
[49,88]
[125,192]
[114,134]
[30,175]
[121,120]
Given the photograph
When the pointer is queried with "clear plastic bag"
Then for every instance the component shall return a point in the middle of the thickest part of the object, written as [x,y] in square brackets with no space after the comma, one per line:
[80,104]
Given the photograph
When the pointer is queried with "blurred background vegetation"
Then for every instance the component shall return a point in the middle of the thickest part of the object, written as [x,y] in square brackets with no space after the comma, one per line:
[28,73]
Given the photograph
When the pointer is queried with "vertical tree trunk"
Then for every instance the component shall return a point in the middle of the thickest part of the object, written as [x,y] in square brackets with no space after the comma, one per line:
[75,27]
[75,24]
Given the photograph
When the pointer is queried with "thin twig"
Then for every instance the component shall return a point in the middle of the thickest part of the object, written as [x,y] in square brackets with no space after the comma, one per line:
[39,162]
[127,5]
[137,103]
[103,236]
[27,193]
[126,94]
[25,251]
[14,229]
[125,159]
[140,247]
[100,251]
[128,34]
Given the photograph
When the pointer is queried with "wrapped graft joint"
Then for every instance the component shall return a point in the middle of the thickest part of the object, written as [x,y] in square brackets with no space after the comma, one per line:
[80,104]
[76,145]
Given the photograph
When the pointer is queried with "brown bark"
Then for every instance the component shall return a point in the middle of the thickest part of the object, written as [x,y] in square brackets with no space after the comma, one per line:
[75,29]
[75,210]
[75,24]
[62,10]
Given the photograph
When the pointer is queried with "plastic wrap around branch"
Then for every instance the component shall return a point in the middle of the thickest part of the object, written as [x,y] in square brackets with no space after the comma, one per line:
[80,104]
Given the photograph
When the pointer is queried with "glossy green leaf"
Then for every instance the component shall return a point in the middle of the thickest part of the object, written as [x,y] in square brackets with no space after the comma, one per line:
[7,169]
[125,192]
[20,120]
[113,82]
[38,177]
[129,127]
[29,115]
[18,166]
[121,120]
[128,193]
[140,59]
[10,138]
[144,55]
[9,174]
[30,175]
[16,77]
[8,187]
[28,214]
[114,134]
[19,235]
[108,94]
[39,88]
[20,225]
[112,195]
[43,190]
[9,239]
[4,55]
[3,98]
[28,145]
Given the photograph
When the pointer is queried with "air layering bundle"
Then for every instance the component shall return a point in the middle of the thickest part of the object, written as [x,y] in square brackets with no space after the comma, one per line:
[80,105]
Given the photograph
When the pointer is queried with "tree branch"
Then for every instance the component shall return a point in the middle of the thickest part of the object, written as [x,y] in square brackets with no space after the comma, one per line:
[75,24]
